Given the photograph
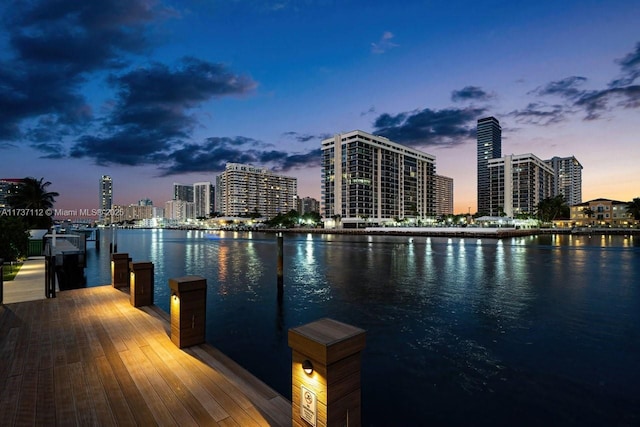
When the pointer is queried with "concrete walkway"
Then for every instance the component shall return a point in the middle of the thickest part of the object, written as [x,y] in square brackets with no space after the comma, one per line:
[28,284]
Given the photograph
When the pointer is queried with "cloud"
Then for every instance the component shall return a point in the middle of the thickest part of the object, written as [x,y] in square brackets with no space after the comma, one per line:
[305,137]
[55,45]
[541,114]
[215,152]
[596,102]
[620,93]
[151,114]
[630,67]
[384,44]
[567,87]
[371,110]
[470,93]
[430,128]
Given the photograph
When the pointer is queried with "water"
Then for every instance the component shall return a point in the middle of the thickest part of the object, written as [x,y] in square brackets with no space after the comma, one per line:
[533,331]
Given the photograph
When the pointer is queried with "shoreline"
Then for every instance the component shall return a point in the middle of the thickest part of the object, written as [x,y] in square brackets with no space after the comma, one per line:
[498,233]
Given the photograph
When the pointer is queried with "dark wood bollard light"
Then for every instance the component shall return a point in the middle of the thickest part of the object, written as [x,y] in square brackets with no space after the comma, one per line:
[188,310]
[141,283]
[120,270]
[325,374]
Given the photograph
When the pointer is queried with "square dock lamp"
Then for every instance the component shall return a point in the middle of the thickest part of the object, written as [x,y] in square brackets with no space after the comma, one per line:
[325,374]
[188,310]
[141,283]
[120,270]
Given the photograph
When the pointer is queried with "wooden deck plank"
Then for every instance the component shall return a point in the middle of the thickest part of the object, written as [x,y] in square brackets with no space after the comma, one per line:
[169,354]
[262,396]
[27,401]
[99,401]
[88,358]
[45,404]
[85,414]
[164,391]
[21,349]
[63,396]
[194,407]
[193,382]
[9,398]
[119,407]
[45,350]
[137,366]
[130,392]
[7,351]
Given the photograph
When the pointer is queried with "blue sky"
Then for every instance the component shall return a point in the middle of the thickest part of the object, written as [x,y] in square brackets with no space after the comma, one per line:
[154,92]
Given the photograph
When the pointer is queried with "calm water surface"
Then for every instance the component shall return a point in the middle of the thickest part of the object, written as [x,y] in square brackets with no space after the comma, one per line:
[539,331]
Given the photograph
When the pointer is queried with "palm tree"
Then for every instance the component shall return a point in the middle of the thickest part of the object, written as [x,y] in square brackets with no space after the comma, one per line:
[633,208]
[588,212]
[32,196]
[553,208]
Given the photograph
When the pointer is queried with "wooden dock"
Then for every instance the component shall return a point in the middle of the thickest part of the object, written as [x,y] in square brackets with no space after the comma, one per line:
[88,357]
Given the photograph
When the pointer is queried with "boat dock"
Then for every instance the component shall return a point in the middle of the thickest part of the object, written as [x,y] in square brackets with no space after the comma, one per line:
[88,357]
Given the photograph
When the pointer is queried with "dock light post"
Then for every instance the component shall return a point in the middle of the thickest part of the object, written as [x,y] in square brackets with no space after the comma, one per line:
[188,310]
[120,270]
[325,374]
[141,283]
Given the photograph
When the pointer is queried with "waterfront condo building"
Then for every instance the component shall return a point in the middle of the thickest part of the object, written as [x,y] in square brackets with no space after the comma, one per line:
[203,199]
[368,180]
[179,211]
[183,192]
[243,190]
[567,178]
[518,183]
[444,195]
[489,138]
[308,205]
[602,213]
[105,195]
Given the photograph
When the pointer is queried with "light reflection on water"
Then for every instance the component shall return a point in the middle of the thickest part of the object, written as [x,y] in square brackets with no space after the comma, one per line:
[524,331]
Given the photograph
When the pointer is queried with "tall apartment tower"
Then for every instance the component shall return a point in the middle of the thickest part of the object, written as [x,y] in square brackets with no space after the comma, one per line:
[567,178]
[183,192]
[444,195]
[105,195]
[518,184]
[203,199]
[245,190]
[368,179]
[489,135]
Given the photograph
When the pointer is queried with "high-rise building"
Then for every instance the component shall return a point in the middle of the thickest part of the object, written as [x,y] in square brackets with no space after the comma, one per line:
[444,195]
[368,179]
[105,195]
[518,183]
[203,199]
[489,134]
[7,187]
[567,178]
[183,192]
[247,190]
[308,205]
[179,210]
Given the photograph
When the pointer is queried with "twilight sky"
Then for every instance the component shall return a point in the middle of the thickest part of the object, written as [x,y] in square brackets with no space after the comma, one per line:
[156,92]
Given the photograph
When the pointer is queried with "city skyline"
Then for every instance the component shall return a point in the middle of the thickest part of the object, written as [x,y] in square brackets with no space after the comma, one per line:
[152,93]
